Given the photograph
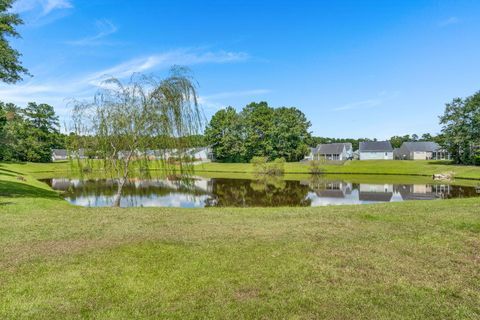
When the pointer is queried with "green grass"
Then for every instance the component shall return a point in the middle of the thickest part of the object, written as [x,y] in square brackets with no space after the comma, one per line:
[396,167]
[374,167]
[411,260]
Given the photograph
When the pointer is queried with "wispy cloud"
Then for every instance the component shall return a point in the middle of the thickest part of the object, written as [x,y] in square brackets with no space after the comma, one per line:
[449,21]
[45,6]
[104,27]
[164,60]
[379,100]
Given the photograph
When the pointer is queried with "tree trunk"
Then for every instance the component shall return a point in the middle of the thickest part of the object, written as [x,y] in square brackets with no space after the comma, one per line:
[122,180]
[118,195]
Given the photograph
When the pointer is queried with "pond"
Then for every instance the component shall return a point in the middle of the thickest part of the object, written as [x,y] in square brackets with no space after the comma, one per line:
[223,192]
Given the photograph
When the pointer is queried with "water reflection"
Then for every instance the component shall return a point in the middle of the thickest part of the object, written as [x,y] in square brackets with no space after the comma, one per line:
[220,192]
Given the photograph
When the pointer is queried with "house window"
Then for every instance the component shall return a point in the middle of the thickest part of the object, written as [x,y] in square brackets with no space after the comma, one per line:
[386,154]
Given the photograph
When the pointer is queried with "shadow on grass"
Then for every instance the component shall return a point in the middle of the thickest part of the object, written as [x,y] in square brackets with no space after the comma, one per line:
[14,189]
[8,172]
[443,162]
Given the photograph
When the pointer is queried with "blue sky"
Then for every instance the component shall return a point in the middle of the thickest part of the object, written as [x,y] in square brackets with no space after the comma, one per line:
[355,68]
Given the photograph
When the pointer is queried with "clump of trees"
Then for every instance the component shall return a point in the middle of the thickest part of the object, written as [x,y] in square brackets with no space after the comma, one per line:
[29,134]
[461,129]
[258,131]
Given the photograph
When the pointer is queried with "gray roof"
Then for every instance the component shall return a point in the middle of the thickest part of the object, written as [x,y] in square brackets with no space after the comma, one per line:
[376,146]
[333,148]
[59,152]
[424,146]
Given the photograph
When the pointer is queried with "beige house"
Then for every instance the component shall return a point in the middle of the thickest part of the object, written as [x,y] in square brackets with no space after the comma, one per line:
[422,150]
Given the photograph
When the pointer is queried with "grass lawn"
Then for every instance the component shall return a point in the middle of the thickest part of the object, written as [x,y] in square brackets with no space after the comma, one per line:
[411,260]
[397,167]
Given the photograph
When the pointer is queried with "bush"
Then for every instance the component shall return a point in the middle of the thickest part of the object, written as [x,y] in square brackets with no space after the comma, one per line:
[315,167]
[261,166]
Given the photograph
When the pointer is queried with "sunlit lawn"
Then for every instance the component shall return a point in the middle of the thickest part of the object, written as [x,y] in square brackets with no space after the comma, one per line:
[412,260]
[398,167]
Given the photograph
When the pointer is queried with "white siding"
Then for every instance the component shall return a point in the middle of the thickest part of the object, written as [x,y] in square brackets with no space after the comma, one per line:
[419,155]
[376,155]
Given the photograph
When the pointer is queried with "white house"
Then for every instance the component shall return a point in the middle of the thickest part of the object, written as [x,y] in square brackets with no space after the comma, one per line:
[421,150]
[331,151]
[201,153]
[376,150]
[63,154]
[59,154]
[335,151]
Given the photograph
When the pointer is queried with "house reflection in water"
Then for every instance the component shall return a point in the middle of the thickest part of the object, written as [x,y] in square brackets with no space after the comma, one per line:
[376,192]
[423,191]
[341,192]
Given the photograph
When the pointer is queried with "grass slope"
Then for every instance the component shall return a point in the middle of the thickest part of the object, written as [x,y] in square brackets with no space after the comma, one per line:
[403,260]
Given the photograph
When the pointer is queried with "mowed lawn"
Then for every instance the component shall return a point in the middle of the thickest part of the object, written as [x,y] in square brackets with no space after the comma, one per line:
[412,260]
[396,167]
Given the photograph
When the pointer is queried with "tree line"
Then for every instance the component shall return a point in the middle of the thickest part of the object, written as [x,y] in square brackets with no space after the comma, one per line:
[30,133]
[258,131]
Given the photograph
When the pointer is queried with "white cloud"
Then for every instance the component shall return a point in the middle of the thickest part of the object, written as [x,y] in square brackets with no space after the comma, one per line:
[45,6]
[104,27]
[379,100]
[51,5]
[449,21]
[165,60]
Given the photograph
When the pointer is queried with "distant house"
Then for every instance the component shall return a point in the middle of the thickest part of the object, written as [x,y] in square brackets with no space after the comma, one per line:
[201,153]
[59,154]
[331,151]
[64,154]
[376,150]
[424,150]
[335,151]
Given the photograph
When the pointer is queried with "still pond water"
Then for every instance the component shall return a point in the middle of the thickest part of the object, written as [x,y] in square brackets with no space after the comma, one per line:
[221,192]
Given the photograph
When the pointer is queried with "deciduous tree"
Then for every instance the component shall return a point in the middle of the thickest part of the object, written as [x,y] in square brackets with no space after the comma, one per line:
[125,118]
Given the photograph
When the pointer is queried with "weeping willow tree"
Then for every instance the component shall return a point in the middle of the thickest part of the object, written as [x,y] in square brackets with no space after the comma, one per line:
[126,126]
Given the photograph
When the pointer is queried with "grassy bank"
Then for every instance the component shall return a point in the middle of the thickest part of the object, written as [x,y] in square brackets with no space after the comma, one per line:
[396,167]
[401,260]
[374,167]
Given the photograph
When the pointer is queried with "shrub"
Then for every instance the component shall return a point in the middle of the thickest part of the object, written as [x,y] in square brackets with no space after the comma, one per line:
[261,166]
[316,166]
